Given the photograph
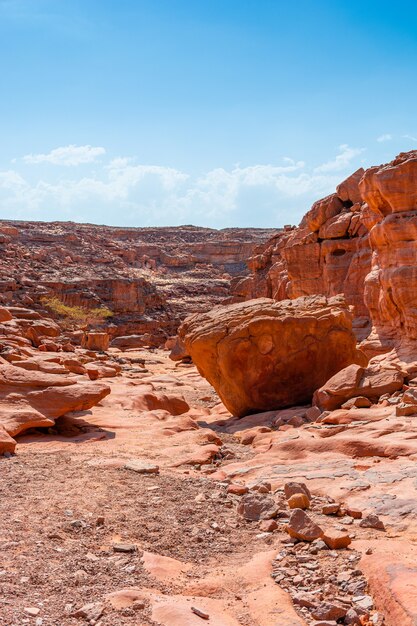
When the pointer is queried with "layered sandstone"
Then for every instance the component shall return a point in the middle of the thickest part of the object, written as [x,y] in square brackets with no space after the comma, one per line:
[262,355]
[359,241]
[391,287]
[41,378]
[151,278]
[327,254]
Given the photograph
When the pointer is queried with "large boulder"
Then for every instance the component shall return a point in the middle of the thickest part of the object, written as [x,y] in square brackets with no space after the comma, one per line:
[262,355]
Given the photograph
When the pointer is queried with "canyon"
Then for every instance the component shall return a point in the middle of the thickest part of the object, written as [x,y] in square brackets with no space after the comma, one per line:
[263,473]
[150,278]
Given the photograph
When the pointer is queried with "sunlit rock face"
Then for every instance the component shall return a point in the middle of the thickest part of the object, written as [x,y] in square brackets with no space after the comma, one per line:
[391,287]
[329,253]
[360,241]
[261,355]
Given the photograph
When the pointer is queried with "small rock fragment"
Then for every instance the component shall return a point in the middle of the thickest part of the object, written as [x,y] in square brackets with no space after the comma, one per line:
[329,611]
[363,602]
[90,612]
[352,618]
[306,600]
[32,610]
[301,526]
[336,540]
[291,488]
[256,506]
[355,513]
[141,467]
[372,521]
[200,613]
[312,413]
[359,402]
[330,509]
[237,490]
[124,547]
[262,486]
[299,501]
[268,526]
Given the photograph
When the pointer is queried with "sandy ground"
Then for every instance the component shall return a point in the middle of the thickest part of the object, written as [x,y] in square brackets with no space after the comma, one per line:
[68,506]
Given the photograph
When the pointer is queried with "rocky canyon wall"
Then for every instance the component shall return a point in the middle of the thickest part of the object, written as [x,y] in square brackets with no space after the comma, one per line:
[360,241]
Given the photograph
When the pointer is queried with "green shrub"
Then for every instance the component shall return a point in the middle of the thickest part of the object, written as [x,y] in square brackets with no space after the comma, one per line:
[77,315]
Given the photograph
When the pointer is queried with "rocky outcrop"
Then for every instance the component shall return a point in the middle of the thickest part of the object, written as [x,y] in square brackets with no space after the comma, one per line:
[359,241]
[355,381]
[42,378]
[261,355]
[32,399]
[327,254]
[391,287]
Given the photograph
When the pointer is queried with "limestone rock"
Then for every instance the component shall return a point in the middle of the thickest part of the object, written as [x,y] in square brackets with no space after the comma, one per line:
[262,355]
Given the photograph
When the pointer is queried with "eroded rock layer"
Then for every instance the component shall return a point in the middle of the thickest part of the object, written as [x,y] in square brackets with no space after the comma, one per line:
[151,278]
[360,241]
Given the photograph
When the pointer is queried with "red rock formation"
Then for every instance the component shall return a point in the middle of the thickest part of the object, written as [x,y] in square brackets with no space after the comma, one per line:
[360,241]
[36,387]
[96,341]
[32,399]
[390,288]
[151,278]
[354,381]
[262,355]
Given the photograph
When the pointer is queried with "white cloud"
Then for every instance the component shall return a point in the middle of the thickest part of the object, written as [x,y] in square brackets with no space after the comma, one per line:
[122,192]
[410,137]
[10,179]
[386,137]
[67,155]
[341,161]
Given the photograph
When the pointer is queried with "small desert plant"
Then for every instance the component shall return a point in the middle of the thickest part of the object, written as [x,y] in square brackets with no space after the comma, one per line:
[77,315]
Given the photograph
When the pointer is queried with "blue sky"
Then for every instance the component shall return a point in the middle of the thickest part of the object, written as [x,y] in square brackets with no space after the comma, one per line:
[211,112]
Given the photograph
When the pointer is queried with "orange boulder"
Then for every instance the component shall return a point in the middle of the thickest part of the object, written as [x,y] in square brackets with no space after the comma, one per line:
[262,355]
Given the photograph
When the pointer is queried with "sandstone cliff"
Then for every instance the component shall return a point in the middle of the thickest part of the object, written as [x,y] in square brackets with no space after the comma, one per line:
[360,241]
